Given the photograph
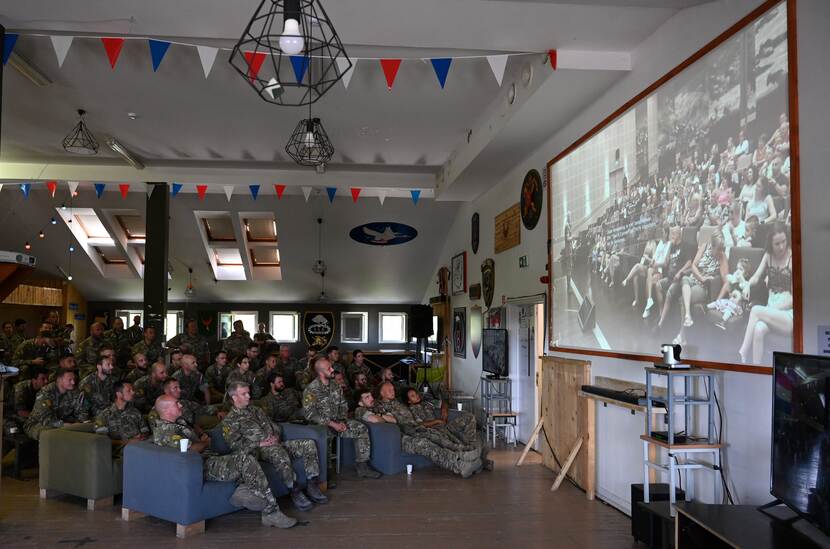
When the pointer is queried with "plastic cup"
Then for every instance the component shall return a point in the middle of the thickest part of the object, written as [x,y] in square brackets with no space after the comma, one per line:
[184,444]
[408,468]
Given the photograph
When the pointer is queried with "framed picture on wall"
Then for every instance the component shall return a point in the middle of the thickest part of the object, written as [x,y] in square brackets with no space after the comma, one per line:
[459,273]
[673,219]
[459,332]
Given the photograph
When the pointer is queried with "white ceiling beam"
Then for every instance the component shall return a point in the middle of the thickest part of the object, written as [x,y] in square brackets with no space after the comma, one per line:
[111,224]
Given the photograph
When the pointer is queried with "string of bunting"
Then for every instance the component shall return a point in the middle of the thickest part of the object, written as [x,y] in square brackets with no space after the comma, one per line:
[158,49]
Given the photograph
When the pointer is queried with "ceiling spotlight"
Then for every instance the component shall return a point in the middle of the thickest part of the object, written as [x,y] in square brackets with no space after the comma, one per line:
[41,234]
[53,221]
[124,153]
[32,73]
[69,278]
[80,140]
[27,246]
[63,206]
[71,248]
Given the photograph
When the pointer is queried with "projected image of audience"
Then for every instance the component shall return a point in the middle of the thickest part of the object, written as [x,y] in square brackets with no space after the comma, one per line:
[673,223]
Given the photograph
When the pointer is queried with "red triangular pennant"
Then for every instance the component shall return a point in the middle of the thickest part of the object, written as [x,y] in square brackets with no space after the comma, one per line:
[124,188]
[390,69]
[254,60]
[280,189]
[52,186]
[113,47]
[355,193]
[553,60]
[202,190]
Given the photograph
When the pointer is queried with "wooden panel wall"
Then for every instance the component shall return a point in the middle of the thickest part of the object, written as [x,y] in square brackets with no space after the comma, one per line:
[42,296]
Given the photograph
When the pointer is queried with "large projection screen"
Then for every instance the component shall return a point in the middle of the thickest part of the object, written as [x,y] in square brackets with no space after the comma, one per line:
[676,220]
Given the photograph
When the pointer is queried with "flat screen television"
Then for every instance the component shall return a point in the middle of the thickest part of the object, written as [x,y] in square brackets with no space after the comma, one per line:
[494,346]
[801,436]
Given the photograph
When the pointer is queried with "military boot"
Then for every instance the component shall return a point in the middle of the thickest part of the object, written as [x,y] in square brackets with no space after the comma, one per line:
[245,498]
[468,468]
[313,492]
[279,519]
[301,502]
[365,470]
[471,455]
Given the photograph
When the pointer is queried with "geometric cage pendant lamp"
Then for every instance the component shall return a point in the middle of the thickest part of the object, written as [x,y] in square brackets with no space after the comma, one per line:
[80,140]
[280,42]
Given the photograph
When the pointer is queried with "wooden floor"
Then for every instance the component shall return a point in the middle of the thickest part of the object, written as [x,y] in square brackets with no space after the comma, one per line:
[431,509]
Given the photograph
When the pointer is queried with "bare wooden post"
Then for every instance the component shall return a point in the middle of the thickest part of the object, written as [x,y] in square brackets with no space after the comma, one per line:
[91,504]
[187,530]
[532,440]
[567,465]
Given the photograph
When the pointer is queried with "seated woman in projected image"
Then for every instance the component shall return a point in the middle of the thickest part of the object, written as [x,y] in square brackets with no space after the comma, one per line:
[761,204]
[777,315]
[654,257]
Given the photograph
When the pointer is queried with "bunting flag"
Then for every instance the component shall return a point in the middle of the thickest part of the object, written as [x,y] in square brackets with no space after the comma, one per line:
[355,194]
[306,192]
[390,70]
[113,47]
[254,190]
[497,64]
[381,195]
[416,195]
[1,186]
[176,187]
[52,186]
[73,187]
[61,45]
[99,189]
[553,59]
[280,189]
[201,190]
[158,48]
[331,191]
[254,60]
[344,69]
[300,65]
[125,189]
[207,56]
[228,191]
[8,46]
[25,187]
[441,66]
[149,188]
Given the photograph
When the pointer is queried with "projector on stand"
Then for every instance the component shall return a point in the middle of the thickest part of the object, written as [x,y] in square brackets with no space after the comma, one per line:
[671,358]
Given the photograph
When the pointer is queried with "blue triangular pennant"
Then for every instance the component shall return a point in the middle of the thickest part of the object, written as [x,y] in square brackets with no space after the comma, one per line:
[25,187]
[300,64]
[157,50]
[99,189]
[331,191]
[175,189]
[442,68]
[416,195]
[254,190]
[8,46]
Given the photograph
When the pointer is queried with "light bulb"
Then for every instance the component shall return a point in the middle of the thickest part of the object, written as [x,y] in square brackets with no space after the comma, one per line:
[309,139]
[63,206]
[27,246]
[71,248]
[41,234]
[291,41]
[53,221]
[69,278]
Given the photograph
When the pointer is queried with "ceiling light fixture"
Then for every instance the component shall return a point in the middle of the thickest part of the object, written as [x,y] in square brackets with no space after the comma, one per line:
[80,140]
[124,153]
[25,68]
[190,291]
[279,43]
[310,145]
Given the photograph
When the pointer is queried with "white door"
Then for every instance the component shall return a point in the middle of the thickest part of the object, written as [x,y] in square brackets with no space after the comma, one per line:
[524,324]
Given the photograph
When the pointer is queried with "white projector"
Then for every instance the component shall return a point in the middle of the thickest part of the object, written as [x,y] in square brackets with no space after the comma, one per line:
[17,257]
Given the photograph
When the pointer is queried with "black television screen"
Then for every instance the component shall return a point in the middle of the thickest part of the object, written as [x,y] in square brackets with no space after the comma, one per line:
[494,357]
[800,436]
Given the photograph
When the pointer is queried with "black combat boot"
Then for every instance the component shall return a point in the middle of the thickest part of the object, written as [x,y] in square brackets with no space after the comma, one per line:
[301,502]
[365,470]
[313,492]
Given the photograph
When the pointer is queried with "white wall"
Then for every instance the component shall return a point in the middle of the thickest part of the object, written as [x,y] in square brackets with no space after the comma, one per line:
[745,397]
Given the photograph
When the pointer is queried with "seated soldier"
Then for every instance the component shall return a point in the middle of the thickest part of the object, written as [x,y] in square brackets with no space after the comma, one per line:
[248,430]
[348,394]
[198,416]
[333,354]
[140,368]
[463,426]
[25,392]
[386,374]
[90,349]
[57,404]
[288,365]
[253,491]
[260,385]
[191,381]
[151,348]
[305,370]
[358,366]
[236,343]
[366,410]
[241,372]
[175,355]
[361,383]
[216,376]
[40,351]
[254,359]
[98,386]
[66,362]
[122,422]
[282,403]
[150,387]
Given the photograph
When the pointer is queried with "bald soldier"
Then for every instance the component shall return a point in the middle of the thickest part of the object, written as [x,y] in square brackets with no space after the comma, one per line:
[193,341]
[150,387]
[191,381]
[248,430]
[58,404]
[139,370]
[324,404]
[253,491]
[149,346]
[88,349]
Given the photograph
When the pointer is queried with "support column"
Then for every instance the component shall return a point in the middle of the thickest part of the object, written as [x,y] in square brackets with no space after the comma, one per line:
[155,257]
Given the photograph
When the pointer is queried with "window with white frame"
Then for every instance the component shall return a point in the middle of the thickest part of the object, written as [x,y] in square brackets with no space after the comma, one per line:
[285,326]
[127,317]
[433,339]
[392,328]
[173,323]
[354,327]
[226,320]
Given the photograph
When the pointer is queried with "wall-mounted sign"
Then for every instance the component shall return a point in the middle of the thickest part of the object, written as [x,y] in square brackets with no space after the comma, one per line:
[523,262]
[79,316]
[318,328]
[73,306]
[531,199]
[475,292]
[474,225]
[383,233]
[459,273]
[488,280]
[508,234]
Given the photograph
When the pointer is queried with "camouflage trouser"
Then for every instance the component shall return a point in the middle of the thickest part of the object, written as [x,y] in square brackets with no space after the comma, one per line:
[282,455]
[244,469]
[442,457]
[464,427]
[360,433]
[34,431]
[438,435]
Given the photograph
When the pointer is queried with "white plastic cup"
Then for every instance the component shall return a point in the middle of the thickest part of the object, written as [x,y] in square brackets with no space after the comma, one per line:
[408,468]
[459,406]
[426,389]
[184,444]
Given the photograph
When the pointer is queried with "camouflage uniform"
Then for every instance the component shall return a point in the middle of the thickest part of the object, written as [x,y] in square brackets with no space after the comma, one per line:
[323,403]
[135,374]
[134,334]
[87,353]
[245,428]
[120,341]
[354,369]
[9,346]
[29,351]
[216,378]
[197,345]
[121,425]
[236,345]
[152,351]
[238,467]
[462,426]
[409,426]
[98,393]
[237,375]
[24,396]
[283,406]
[260,386]
[289,370]
[52,409]
[192,386]
[146,393]
[191,412]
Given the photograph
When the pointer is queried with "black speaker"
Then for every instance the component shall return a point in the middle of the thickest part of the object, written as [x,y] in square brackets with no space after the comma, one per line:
[644,526]
[420,321]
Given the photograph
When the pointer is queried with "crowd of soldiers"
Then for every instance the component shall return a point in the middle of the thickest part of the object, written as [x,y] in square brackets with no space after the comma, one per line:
[134,388]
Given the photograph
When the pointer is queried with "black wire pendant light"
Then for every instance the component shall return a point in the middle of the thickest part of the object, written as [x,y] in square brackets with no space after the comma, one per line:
[309,145]
[80,140]
[278,45]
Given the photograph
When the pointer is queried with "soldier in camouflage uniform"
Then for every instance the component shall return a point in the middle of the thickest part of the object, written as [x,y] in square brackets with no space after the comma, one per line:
[56,405]
[39,351]
[260,385]
[253,492]
[191,340]
[148,346]
[198,416]
[462,426]
[288,365]
[333,354]
[88,349]
[139,370]
[216,376]
[348,394]
[358,366]
[237,343]
[282,403]
[248,430]
[122,422]
[135,332]
[241,372]
[324,404]
[9,341]
[120,341]
[150,387]
[192,383]
[25,392]
[66,362]
[99,386]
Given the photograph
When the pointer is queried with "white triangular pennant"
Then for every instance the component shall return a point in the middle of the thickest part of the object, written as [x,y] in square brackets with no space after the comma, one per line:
[344,69]
[1,186]
[149,188]
[73,187]
[207,56]
[306,192]
[381,195]
[497,64]
[228,191]
[61,45]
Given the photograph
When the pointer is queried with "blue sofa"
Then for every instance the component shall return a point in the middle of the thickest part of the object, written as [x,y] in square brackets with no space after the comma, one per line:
[168,484]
